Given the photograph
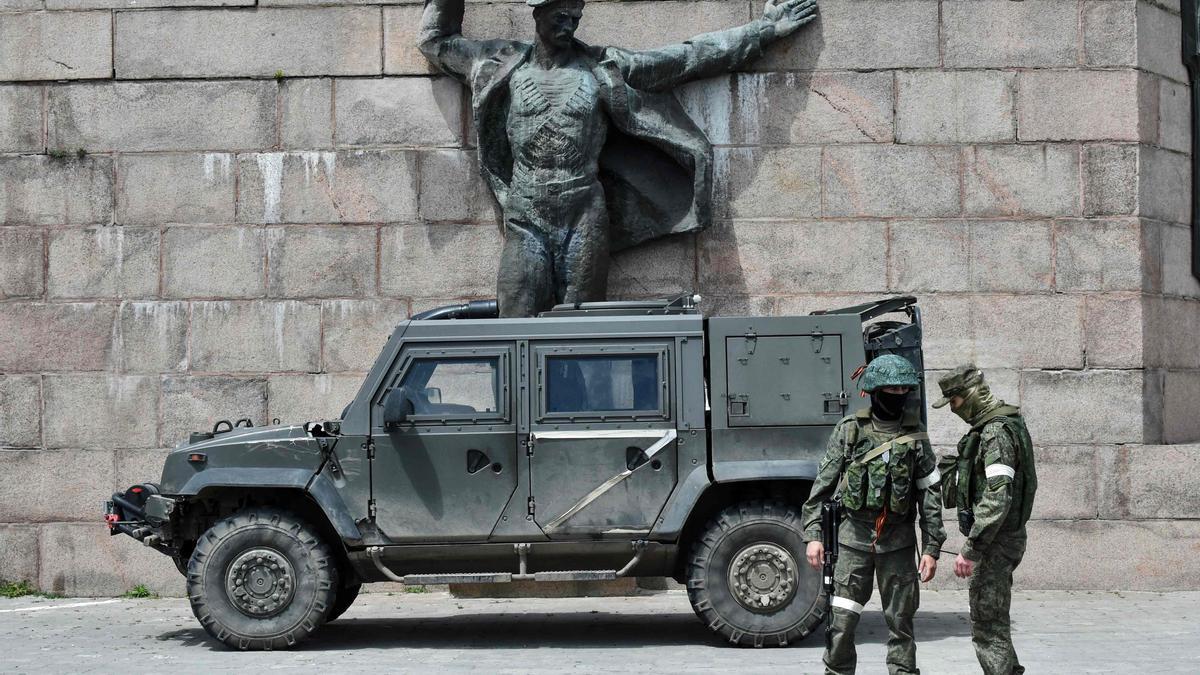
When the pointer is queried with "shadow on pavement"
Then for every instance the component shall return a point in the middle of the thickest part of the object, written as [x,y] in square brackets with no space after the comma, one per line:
[593,630]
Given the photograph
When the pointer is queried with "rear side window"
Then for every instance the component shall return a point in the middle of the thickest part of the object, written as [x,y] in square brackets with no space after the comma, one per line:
[616,383]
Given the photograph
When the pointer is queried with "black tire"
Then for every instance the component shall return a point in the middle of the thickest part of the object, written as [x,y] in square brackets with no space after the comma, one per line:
[763,537]
[293,576]
[345,597]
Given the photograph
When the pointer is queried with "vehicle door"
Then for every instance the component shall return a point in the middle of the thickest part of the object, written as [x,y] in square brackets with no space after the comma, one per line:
[447,471]
[603,437]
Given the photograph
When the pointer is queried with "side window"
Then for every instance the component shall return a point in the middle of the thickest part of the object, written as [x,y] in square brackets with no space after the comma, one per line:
[626,384]
[453,386]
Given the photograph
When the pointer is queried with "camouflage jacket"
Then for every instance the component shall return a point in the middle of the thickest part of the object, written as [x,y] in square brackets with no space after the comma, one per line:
[913,463]
[996,451]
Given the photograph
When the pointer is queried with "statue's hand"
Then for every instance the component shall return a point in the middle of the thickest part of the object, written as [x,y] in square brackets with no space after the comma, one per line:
[789,15]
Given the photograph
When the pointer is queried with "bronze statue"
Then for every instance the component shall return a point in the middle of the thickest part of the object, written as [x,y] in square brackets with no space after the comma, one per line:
[585,148]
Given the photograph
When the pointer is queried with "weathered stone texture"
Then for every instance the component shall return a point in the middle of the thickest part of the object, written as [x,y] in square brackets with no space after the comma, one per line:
[321,262]
[153,336]
[197,403]
[55,485]
[21,263]
[255,336]
[55,337]
[1091,406]
[747,257]
[81,559]
[175,188]
[55,46]
[955,107]
[306,113]
[20,411]
[861,34]
[100,411]
[42,190]
[322,187]
[780,182]
[103,262]
[1028,331]
[453,190]
[1022,180]
[1181,390]
[354,331]
[1110,33]
[667,265]
[998,33]
[1177,278]
[141,116]
[914,245]
[1011,256]
[1058,105]
[20,118]
[237,43]
[891,180]
[1174,116]
[1115,331]
[467,255]
[1161,195]
[401,111]
[1159,42]
[1074,472]
[1110,180]
[19,552]
[1154,555]
[1098,255]
[1151,482]
[294,399]
[213,262]
[401,29]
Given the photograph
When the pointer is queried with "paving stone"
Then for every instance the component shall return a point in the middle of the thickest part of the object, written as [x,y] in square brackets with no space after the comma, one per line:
[258,43]
[1098,255]
[55,46]
[1063,105]
[1022,180]
[20,411]
[955,107]
[776,182]
[353,186]
[103,262]
[197,403]
[167,115]
[453,190]
[55,485]
[153,336]
[861,34]
[744,256]
[21,263]
[100,411]
[915,245]
[466,258]
[43,190]
[1011,256]
[1110,180]
[175,188]
[306,113]
[255,336]
[55,337]
[321,262]
[82,560]
[20,118]
[295,399]
[998,33]
[354,331]
[1091,406]
[411,111]
[891,180]
[214,262]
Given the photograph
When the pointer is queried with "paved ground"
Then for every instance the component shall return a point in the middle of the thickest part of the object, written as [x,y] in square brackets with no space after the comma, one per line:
[1057,632]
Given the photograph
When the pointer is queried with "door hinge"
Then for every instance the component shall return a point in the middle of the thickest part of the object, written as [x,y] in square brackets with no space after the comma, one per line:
[529,443]
[370,449]
[371,509]
[531,506]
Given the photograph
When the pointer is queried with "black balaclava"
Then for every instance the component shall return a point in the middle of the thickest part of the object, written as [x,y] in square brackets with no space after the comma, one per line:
[888,407]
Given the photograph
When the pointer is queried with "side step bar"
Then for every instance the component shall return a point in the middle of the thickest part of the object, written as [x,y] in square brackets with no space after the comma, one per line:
[522,551]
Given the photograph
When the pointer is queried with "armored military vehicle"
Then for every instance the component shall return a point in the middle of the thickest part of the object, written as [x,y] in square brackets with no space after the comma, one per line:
[596,441]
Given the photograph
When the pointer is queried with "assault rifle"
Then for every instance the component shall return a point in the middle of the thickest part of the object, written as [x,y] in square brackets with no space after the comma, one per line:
[831,512]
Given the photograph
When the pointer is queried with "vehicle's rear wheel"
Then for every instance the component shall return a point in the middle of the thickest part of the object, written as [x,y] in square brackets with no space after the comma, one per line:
[748,580]
[261,579]
[346,595]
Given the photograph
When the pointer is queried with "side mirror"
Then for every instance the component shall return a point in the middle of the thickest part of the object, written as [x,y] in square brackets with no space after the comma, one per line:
[397,406]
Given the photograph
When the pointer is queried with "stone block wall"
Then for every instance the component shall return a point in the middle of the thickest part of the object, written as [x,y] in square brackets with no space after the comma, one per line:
[218,208]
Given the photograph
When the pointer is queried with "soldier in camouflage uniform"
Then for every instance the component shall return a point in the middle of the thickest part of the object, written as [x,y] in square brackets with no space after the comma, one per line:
[879,463]
[991,482]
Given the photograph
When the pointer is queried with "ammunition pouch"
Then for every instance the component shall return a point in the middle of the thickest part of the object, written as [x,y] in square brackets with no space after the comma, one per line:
[948,467]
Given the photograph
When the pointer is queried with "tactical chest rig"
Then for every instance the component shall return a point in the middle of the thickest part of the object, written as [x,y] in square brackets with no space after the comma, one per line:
[964,477]
[887,485]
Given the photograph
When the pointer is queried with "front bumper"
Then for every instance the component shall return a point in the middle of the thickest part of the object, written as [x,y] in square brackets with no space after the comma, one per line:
[143,514]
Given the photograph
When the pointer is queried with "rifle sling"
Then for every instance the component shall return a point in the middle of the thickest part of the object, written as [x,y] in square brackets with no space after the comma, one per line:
[877,451]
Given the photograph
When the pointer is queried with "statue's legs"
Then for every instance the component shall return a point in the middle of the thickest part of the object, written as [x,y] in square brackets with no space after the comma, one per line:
[555,247]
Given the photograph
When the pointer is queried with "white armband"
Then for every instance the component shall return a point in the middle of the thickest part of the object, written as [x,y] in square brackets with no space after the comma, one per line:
[994,470]
[929,480]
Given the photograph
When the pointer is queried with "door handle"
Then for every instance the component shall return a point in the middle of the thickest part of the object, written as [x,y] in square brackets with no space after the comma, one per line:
[635,457]
[476,461]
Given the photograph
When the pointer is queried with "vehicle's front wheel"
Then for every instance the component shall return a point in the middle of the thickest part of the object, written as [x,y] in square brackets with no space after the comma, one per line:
[261,579]
[748,580]
[346,595]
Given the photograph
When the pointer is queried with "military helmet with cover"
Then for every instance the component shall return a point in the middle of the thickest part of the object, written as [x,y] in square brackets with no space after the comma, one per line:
[889,370]
[958,382]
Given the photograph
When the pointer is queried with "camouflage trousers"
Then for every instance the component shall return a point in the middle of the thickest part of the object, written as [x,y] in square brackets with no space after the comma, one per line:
[990,599]
[896,573]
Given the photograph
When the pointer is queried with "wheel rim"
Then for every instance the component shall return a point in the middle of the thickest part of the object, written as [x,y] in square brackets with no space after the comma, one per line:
[763,577]
[260,582]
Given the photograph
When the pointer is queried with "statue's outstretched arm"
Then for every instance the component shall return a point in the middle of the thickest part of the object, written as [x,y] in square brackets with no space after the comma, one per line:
[714,53]
[441,39]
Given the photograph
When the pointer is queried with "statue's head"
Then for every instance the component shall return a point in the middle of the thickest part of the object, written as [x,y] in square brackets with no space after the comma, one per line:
[557,20]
